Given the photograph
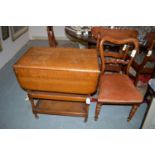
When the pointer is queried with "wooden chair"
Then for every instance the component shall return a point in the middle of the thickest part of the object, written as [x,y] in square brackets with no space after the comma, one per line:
[53,43]
[51,36]
[148,63]
[117,88]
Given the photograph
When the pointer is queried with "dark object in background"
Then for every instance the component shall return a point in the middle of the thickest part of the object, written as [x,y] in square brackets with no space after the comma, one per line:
[148,98]
[5,32]
[1,45]
[143,68]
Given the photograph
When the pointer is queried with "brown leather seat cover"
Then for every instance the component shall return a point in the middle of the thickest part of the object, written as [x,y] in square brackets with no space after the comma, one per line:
[118,88]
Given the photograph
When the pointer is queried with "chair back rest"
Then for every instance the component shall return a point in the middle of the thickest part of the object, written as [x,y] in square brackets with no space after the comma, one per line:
[51,36]
[122,58]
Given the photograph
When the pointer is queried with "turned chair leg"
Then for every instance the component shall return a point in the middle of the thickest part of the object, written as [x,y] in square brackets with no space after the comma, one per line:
[132,112]
[97,111]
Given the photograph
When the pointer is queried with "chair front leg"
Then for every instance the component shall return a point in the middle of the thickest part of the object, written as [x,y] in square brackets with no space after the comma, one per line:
[132,112]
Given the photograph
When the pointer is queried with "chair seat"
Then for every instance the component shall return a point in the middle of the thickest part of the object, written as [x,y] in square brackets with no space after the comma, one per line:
[118,88]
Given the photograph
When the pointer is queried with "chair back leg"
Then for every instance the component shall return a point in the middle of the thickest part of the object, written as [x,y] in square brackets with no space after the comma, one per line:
[132,112]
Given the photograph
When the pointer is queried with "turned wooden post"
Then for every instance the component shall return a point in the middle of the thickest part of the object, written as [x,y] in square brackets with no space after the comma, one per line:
[51,36]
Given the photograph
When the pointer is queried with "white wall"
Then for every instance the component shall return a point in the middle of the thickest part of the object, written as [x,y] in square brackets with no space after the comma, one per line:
[40,32]
[10,48]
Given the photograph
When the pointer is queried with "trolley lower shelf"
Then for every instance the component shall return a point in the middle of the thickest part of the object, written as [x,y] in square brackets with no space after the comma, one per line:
[58,104]
[60,108]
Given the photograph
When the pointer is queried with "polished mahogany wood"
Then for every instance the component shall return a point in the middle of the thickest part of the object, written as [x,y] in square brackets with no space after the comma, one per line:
[117,88]
[64,70]
[117,33]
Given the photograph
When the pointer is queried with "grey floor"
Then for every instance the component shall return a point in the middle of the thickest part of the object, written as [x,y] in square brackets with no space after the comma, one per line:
[15,111]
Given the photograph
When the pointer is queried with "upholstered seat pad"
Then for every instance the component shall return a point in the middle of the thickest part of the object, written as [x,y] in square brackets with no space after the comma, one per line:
[118,88]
